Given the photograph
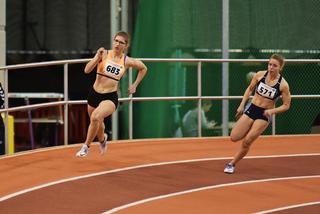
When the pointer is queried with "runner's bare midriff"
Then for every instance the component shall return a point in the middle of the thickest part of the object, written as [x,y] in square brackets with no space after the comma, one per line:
[105,85]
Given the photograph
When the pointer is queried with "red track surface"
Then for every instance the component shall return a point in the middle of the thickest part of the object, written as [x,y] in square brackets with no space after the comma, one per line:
[112,189]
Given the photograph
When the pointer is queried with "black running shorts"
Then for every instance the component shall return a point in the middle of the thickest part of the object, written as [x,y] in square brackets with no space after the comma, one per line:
[95,98]
[256,112]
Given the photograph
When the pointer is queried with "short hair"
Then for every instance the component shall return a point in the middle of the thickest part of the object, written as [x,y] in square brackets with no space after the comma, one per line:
[125,35]
[250,76]
[203,103]
[279,58]
[206,102]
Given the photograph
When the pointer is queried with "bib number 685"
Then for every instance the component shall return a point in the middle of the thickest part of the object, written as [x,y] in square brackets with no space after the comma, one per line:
[112,70]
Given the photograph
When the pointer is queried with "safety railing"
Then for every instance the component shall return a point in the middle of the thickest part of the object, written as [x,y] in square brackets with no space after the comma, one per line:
[132,99]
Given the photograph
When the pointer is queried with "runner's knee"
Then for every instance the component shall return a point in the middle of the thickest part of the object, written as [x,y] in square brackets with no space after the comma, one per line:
[247,142]
[95,118]
[234,138]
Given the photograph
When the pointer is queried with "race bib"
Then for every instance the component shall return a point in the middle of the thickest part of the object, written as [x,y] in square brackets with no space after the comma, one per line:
[112,69]
[266,91]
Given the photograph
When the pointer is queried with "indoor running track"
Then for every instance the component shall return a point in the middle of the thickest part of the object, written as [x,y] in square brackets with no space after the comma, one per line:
[280,175]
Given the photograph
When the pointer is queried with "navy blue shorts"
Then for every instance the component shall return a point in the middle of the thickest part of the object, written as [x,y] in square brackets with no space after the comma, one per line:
[256,112]
[95,98]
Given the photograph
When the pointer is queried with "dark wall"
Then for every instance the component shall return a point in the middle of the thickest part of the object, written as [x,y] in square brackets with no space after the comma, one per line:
[46,30]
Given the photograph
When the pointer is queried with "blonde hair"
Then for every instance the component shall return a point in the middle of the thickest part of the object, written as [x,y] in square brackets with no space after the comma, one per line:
[279,58]
[125,35]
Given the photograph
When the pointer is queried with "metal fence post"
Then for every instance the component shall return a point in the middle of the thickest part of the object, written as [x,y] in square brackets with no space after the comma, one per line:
[199,100]
[66,98]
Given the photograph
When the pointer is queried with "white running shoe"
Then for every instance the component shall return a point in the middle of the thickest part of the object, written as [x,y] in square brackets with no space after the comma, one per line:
[229,168]
[83,151]
[103,145]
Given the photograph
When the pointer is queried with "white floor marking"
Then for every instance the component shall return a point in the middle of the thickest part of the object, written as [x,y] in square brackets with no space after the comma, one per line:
[6,197]
[289,207]
[205,188]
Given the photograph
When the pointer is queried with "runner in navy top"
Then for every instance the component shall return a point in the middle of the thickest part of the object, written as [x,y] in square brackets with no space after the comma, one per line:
[268,86]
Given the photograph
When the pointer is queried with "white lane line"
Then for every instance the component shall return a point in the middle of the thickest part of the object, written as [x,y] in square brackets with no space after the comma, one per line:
[215,139]
[116,209]
[288,207]
[6,197]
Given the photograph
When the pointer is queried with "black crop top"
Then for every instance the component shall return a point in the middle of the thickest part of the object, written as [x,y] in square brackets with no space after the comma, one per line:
[269,92]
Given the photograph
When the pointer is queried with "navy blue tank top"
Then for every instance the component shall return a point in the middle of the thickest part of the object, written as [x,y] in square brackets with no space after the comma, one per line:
[269,92]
